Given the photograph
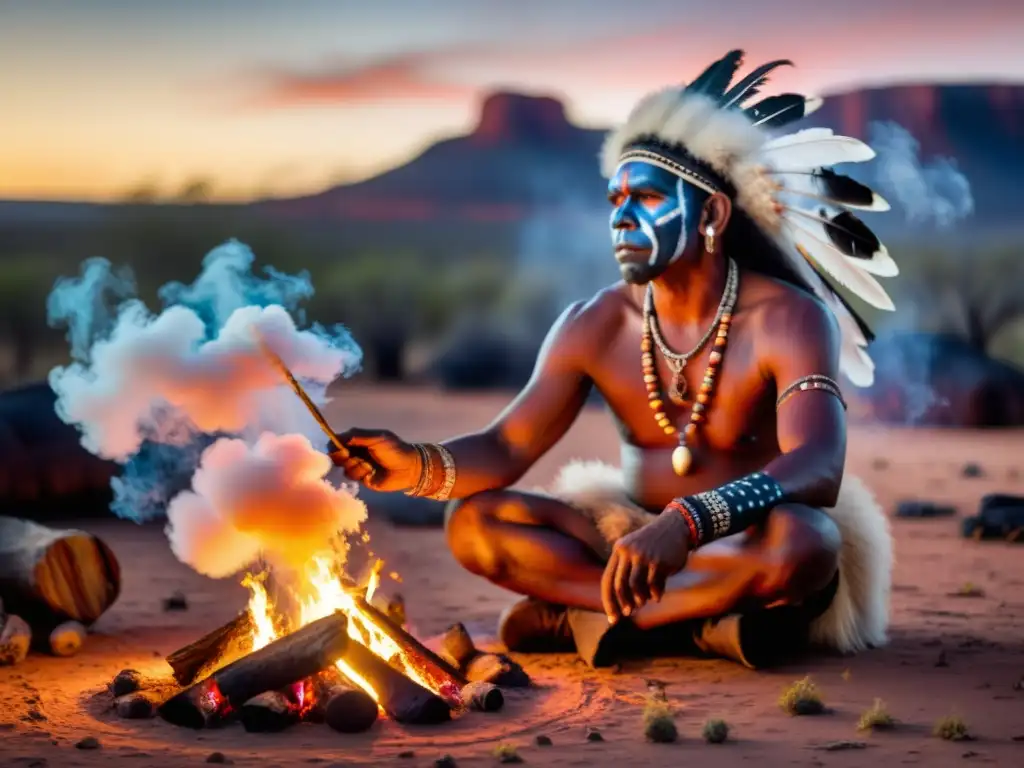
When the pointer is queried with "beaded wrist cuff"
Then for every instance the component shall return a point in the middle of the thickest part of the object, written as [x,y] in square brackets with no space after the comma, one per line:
[426,471]
[448,462]
[730,509]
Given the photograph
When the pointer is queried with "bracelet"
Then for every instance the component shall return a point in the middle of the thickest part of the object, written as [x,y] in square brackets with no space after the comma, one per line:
[426,473]
[815,381]
[730,509]
[448,462]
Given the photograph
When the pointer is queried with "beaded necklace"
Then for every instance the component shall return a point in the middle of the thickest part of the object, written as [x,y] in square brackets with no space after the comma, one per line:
[682,456]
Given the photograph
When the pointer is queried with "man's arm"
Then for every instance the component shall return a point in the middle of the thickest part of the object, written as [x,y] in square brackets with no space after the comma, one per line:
[810,424]
[539,417]
[800,344]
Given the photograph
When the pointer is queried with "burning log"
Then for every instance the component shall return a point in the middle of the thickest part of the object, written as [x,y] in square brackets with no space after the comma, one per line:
[404,700]
[478,666]
[225,643]
[49,576]
[436,668]
[349,709]
[281,663]
[269,712]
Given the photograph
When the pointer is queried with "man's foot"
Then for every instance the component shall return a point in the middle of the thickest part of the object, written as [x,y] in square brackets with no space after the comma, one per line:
[535,626]
[599,643]
[757,640]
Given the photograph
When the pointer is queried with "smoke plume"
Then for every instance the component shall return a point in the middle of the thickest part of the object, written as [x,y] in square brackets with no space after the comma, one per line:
[934,192]
[206,429]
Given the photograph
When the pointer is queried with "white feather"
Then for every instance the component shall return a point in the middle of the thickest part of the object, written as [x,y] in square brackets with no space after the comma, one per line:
[837,265]
[816,151]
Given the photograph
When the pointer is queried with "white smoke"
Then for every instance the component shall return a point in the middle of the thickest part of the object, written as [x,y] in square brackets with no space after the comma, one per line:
[927,192]
[208,431]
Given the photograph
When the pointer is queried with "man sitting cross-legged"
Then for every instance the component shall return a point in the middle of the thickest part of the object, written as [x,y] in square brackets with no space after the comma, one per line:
[729,528]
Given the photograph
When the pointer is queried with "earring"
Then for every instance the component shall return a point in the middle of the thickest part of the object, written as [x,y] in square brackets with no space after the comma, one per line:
[709,239]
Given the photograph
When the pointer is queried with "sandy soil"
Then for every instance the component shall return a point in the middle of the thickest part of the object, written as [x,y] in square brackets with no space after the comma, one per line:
[48,704]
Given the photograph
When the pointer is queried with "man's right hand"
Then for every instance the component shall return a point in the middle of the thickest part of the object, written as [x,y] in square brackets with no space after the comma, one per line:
[378,459]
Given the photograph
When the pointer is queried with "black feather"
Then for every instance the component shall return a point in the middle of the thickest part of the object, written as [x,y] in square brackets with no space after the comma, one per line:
[747,87]
[850,235]
[843,189]
[776,111]
[715,79]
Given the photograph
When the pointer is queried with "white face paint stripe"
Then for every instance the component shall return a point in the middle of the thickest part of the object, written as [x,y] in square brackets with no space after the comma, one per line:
[668,217]
[648,230]
[681,243]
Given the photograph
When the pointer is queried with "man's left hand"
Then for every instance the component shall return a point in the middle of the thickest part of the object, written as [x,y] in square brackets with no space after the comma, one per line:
[641,562]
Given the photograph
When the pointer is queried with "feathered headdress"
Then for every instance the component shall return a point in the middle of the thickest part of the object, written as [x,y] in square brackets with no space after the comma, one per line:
[706,134]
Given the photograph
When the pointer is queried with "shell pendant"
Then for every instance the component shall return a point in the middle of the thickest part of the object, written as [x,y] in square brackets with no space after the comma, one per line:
[682,459]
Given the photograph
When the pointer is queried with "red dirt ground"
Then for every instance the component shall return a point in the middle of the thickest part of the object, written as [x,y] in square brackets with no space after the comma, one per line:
[49,704]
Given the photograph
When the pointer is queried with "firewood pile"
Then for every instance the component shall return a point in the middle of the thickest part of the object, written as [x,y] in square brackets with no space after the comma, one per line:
[54,584]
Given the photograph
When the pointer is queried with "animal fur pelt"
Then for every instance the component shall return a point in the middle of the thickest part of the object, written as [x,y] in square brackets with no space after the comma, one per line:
[858,617]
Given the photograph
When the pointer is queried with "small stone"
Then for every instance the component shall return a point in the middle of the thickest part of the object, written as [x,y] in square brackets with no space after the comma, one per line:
[407,755]
[126,681]
[941,661]
[134,706]
[594,735]
[843,746]
[34,716]
[969,753]
[217,757]
[543,741]
[972,469]
[176,602]
[445,761]
[89,742]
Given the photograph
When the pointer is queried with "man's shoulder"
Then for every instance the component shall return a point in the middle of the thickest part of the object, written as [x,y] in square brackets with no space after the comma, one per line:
[593,319]
[784,310]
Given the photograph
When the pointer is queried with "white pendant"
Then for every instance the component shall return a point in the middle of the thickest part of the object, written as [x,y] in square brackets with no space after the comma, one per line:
[682,458]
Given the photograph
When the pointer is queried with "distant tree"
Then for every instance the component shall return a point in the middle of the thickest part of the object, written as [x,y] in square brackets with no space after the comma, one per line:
[197,190]
[971,294]
[145,192]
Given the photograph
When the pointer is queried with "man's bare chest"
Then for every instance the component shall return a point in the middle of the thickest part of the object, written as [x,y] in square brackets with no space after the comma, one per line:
[740,414]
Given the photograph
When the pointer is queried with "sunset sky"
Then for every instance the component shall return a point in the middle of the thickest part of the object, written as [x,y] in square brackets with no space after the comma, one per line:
[285,96]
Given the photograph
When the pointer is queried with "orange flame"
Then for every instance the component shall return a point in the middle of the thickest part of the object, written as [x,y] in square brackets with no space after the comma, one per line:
[325,593]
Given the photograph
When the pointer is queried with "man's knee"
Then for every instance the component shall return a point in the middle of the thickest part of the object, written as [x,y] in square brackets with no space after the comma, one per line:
[804,545]
[469,529]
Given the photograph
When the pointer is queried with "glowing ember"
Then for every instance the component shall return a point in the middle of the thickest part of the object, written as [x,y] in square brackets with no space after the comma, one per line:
[321,592]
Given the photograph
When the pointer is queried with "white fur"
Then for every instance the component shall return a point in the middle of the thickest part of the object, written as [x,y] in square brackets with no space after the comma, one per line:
[858,617]
[716,136]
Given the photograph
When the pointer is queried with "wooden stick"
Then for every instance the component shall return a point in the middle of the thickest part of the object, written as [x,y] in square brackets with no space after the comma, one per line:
[484,697]
[51,576]
[224,644]
[405,701]
[479,666]
[318,416]
[283,662]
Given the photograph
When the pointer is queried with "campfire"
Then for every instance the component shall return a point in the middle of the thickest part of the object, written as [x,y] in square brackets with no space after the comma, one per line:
[318,649]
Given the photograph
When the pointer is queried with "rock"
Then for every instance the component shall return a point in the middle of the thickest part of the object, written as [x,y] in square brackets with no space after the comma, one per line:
[407,755]
[1000,516]
[126,681]
[543,741]
[89,742]
[924,509]
[67,638]
[134,706]
[445,761]
[217,757]
[15,639]
[594,735]
[176,602]
[843,746]
[972,469]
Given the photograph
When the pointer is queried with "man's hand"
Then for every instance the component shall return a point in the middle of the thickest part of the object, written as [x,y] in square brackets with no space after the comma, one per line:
[641,562]
[378,459]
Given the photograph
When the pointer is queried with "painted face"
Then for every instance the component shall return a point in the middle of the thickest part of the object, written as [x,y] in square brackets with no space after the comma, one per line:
[654,214]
